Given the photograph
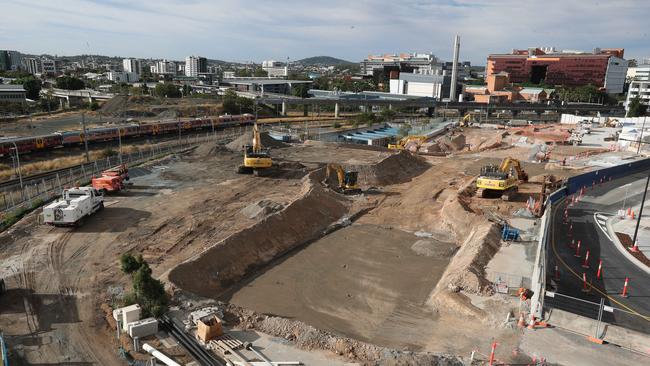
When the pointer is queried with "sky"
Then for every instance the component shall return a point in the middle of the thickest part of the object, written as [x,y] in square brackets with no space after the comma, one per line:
[256,30]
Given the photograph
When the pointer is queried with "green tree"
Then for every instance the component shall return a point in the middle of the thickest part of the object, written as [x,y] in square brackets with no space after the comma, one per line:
[300,90]
[387,114]
[32,88]
[636,108]
[130,263]
[259,72]
[69,83]
[167,90]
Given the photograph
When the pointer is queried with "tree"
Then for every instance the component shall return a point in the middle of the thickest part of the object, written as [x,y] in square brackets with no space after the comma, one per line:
[32,88]
[259,72]
[387,114]
[130,263]
[636,108]
[167,90]
[69,83]
[300,91]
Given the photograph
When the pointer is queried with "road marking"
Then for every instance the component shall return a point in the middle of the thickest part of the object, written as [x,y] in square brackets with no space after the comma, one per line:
[600,219]
[579,277]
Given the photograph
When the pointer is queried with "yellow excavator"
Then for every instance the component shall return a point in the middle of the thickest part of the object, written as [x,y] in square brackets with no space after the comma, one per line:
[257,160]
[346,180]
[465,122]
[502,180]
[402,143]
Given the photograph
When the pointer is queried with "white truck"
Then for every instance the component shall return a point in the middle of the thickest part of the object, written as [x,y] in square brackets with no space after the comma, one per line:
[73,207]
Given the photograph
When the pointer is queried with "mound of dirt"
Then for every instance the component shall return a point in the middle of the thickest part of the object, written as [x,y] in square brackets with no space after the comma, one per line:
[395,169]
[230,260]
[261,209]
[113,106]
[247,139]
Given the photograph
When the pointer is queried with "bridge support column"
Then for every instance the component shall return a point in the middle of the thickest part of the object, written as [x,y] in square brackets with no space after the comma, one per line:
[284,108]
[336,110]
[515,113]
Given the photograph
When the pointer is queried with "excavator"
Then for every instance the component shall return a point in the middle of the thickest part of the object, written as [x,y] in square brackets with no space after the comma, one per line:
[257,160]
[465,122]
[347,180]
[402,143]
[502,180]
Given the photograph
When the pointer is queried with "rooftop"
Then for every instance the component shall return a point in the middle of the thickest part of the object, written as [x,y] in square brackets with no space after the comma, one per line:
[12,88]
[263,81]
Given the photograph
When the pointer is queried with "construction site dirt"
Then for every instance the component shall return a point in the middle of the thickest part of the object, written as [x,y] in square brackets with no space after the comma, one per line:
[391,267]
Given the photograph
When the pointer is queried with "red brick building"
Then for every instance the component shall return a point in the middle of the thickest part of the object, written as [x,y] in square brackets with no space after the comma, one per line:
[604,68]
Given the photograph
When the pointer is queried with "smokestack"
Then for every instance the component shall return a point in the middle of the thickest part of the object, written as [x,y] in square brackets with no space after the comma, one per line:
[454,69]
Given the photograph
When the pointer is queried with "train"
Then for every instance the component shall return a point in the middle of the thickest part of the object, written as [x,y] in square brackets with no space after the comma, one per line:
[29,144]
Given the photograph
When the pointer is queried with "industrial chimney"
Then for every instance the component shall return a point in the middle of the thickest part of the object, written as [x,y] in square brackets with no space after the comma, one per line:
[454,70]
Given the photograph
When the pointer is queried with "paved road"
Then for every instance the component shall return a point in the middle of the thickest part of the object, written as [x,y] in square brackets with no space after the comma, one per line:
[586,222]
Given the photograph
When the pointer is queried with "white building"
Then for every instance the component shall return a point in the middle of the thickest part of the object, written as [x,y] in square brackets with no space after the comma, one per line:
[49,66]
[404,61]
[123,77]
[639,89]
[422,85]
[164,67]
[641,73]
[32,65]
[195,65]
[275,69]
[615,75]
[132,65]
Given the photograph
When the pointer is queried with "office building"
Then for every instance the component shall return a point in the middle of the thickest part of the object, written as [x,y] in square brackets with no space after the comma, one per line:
[132,65]
[49,66]
[195,65]
[640,73]
[423,63]
[275,69]
[12,93]
[603,68]
[123,77]
[498,89]
[164,67]
[32,65]
[640,89]
[5,61]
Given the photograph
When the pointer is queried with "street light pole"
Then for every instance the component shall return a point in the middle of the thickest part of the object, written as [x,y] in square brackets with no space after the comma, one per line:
[83,126]
[627,189]
[638,221]
[20,174]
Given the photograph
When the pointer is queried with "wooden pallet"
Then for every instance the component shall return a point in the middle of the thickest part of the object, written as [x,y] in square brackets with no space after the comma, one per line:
[225,343]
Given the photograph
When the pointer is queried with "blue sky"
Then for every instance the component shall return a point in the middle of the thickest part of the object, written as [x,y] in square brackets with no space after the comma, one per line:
[255,30]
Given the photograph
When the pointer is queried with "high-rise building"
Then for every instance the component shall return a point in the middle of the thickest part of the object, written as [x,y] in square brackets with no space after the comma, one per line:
[641,73]
[164,67]
[603,68]
[195,65]
[132,65]
[5,62]
[32,65]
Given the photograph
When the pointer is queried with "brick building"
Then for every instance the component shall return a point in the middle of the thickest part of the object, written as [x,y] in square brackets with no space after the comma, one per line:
[604,68]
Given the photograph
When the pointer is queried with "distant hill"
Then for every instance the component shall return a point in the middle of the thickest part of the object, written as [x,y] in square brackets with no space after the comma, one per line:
[323,60]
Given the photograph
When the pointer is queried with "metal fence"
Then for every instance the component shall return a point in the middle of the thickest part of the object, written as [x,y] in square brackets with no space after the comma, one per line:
[16,199]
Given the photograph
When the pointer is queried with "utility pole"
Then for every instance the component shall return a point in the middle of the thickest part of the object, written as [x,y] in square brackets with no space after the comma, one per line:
[638,221]
[83,126]
[20,174]
[641,138]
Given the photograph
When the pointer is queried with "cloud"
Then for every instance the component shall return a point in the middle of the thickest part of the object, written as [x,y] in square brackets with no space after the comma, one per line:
[244,30]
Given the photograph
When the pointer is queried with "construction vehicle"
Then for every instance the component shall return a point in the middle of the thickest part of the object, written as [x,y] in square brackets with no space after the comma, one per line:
[257,160]
[75,205]
[346,180]
[466,121]
[111,180]
[404,143]
[502,180]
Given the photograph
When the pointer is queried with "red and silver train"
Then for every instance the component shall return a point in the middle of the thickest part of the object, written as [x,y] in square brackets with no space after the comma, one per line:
[75,137]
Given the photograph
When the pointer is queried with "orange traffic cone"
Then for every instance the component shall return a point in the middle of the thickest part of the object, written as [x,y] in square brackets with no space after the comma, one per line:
[521,323]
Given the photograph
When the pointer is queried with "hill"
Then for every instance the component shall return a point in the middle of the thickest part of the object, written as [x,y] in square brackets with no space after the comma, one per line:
[323,60]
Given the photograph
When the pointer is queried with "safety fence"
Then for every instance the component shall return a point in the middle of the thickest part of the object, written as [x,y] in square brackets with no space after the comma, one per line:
[19,199]
[548,300]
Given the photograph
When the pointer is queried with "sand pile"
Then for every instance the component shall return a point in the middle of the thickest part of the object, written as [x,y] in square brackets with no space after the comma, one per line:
[231,259]
[395,169]
[481,143]
[247,139]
